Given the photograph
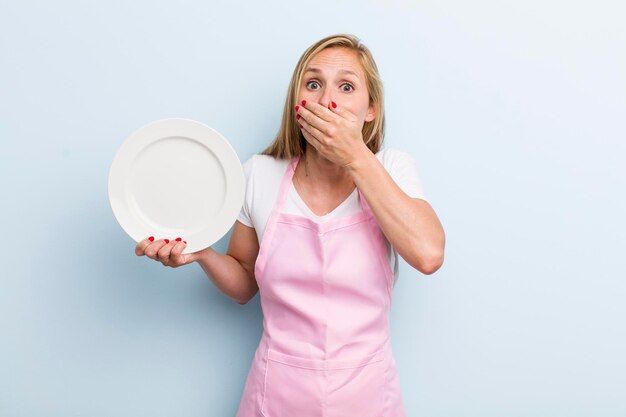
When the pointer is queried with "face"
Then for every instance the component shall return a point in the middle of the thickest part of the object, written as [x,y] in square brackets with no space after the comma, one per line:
[335,74]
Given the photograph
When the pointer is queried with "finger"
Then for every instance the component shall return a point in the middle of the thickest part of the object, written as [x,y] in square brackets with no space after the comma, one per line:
[142,245]
[152,251]
[343,112]
[164,252]
[311,140]
[176,256]
[319,110]
[316,134]
[312,118]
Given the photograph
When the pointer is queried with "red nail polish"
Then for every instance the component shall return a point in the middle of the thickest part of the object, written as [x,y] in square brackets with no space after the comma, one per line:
[297,108]
[178,239]
[304,102]
[300,126]
[166,241]
[333,104]
[185,242]
[151,238]
[297,117]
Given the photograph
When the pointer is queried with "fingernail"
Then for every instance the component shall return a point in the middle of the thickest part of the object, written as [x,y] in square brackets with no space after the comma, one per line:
[297,108]
[333,104]
[151,238]
[297,117]
[166,240]
[300,126]
[185,242]
[178,239]
[304,102]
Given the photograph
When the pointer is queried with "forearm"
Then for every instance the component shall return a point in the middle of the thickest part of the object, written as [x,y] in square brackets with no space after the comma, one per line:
[228,275]
[410,225]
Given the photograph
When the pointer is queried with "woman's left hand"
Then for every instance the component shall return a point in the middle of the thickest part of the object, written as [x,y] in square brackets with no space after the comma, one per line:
[334,132]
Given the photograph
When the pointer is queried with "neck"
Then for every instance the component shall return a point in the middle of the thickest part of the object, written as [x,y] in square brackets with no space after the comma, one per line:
[322,171]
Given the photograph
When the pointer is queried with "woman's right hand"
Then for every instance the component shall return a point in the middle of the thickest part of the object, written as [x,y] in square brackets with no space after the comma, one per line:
[169,253]
[232,273]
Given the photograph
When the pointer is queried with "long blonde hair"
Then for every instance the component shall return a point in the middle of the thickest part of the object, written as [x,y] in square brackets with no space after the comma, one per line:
[289,141]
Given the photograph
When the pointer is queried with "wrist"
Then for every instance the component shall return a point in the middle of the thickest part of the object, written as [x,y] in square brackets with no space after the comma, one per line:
[361,161]
[203,256]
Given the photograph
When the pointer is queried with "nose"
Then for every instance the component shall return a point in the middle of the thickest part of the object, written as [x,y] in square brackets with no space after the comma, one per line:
[326,96]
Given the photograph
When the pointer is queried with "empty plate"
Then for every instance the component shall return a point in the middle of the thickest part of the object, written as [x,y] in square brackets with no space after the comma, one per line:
[176,177]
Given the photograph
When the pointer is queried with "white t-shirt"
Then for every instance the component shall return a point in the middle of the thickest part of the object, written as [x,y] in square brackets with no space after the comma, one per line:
[264,174]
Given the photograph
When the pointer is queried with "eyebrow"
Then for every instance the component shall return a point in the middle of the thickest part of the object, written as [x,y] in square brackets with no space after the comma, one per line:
[318,71]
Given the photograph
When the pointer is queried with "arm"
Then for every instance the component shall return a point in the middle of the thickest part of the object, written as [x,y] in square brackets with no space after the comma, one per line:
[233,273]
[410,224]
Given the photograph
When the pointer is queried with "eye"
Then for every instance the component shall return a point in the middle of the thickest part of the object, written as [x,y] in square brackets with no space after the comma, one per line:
[347,87]
[313,85]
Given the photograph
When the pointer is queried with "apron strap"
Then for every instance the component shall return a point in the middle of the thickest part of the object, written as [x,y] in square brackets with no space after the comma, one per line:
[282,197]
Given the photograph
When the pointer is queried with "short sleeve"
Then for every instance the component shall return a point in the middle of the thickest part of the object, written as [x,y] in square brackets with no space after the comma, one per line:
[244,215]
[403,169]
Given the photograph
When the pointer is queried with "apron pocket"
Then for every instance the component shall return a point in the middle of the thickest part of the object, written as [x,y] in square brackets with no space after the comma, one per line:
[303,387]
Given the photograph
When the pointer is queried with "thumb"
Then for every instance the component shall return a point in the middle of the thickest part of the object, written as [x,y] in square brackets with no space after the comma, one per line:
[341,111]
[178,256]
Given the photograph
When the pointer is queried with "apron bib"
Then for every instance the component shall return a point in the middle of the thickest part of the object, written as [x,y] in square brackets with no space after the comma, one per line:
[325,293]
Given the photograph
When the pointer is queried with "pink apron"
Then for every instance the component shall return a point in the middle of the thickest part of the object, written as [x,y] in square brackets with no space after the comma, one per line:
[325,293]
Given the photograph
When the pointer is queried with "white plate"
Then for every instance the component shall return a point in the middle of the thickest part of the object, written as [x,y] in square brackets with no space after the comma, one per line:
[176,177]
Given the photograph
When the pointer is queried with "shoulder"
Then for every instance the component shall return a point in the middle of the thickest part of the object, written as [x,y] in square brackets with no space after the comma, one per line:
[393,159]
[263,170]
[263,174]
[403,169]
[263,164]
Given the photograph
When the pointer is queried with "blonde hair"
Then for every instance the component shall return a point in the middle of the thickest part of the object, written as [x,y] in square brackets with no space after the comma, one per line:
[289,141]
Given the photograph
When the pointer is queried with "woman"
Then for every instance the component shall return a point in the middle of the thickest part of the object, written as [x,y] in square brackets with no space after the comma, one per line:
[325,214]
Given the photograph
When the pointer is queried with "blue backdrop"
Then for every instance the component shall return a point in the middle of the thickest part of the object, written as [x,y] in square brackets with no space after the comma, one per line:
[514,112]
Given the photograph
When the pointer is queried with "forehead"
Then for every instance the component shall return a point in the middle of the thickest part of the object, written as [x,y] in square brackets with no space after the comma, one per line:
[336,59]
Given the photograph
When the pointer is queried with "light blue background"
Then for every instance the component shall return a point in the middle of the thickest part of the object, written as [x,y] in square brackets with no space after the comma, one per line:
[514,112]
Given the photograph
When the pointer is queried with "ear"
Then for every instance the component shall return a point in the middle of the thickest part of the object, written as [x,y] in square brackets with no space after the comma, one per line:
[371,113]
